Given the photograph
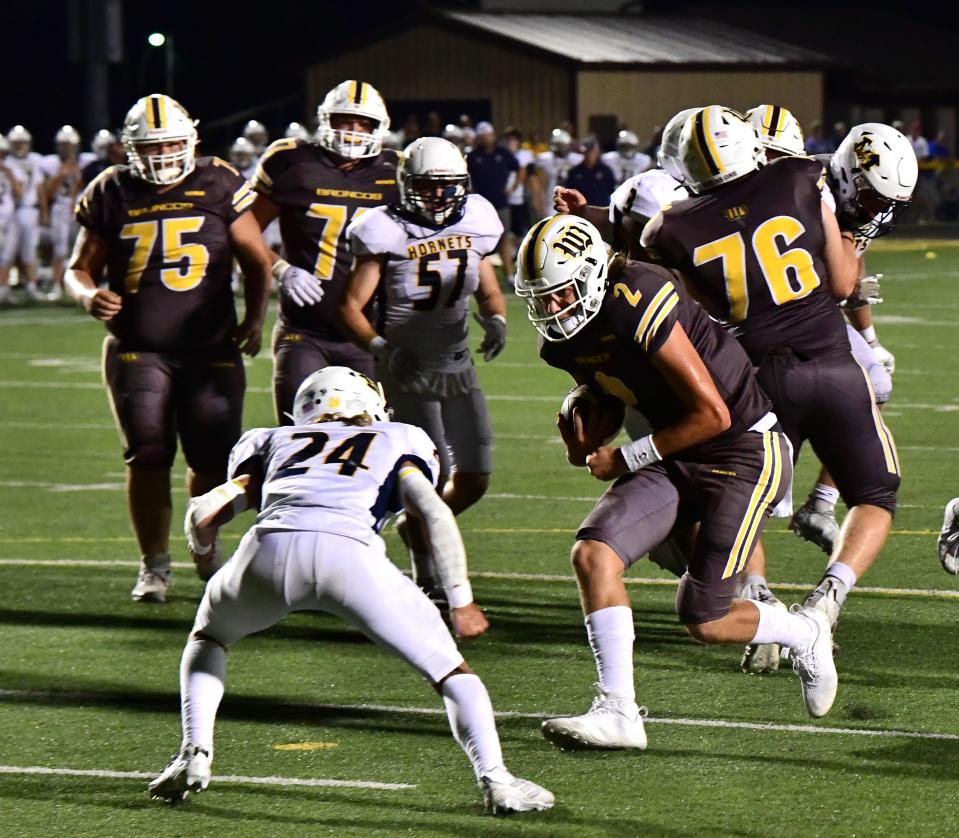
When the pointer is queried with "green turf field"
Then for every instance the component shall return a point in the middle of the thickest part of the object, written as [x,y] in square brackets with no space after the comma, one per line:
[88,679]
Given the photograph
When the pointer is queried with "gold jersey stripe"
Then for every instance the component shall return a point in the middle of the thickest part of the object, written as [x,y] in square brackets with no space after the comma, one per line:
[664,311]
[650,313]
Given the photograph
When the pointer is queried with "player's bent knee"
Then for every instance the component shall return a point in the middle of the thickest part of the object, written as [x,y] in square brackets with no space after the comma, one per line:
[705,632]
[462,669]
[699,603]
[594,559]
[152,456]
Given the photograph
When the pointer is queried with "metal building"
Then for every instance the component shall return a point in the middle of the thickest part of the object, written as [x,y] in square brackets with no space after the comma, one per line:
[535,71]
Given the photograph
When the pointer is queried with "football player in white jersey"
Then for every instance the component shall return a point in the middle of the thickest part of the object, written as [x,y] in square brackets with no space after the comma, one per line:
[323,488]
[428,256]
[626,160]
[243,156]
[554,166]
[9,195]
[255,132]
[31,213]
[63,183]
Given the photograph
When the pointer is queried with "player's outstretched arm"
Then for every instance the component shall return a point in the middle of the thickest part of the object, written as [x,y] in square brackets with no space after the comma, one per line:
[446,547]
[87,262]
[254,258]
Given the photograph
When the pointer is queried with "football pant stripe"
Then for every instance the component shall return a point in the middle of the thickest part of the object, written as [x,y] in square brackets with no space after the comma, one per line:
[763,492]
[883,432]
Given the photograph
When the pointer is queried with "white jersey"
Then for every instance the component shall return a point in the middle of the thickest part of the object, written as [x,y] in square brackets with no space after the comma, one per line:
[626,167]
[556,169]
[429,275]
[517,196]
[643,195]
[332,476]
[71,185]
[29,171]
[7,202]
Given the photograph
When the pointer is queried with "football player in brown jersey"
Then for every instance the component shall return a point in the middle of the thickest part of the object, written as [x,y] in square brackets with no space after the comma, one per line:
[162,232]
[763,252]
[316,189]
[713,458]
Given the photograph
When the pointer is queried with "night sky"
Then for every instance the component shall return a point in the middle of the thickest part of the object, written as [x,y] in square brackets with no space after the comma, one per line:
[230,58]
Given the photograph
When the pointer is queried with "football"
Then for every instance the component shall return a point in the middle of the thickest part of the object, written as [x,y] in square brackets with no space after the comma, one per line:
[602,414]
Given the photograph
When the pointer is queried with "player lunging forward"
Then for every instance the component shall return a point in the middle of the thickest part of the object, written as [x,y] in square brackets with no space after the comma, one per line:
[323,489]
[714,458]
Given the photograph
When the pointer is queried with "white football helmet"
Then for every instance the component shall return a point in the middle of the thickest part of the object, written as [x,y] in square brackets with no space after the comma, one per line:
[432,179]
[242,153]
[21,140]
[256,133]
[154,119]
[562,253]
[875,170]
[67,135]
[353,98]
[627,144]
[778,129]
[560,142]
[4,146]
[668,154]
[338,392]
[454,134]
[718,145]
[101,142]
[297,131]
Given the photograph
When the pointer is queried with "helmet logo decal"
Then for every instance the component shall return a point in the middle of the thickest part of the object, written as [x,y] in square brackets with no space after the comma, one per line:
[865,156]
[573,243]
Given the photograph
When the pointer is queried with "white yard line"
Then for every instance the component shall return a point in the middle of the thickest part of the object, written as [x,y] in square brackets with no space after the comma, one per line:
[218,778]
[502,714]
[931,593]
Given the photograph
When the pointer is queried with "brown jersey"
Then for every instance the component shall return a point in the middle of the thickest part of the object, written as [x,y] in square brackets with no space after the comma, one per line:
[170,256]
[317,202]
[615,349]
[752,253]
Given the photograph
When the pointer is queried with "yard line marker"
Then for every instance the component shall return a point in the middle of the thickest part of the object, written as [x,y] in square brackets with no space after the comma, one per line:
[517,714]
[930,593]
[218,778]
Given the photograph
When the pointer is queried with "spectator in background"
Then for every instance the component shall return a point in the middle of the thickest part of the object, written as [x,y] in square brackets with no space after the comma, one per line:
[491,167]
[434,125]
[816,143]
[839,131]
[938,150]
[920,144]
[592,177]
[518,200]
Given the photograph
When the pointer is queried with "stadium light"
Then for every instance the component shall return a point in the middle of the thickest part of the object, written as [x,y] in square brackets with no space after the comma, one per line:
[156,39]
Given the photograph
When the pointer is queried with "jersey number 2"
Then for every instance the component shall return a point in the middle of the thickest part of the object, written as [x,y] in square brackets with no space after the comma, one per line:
[789,274]
[349,454]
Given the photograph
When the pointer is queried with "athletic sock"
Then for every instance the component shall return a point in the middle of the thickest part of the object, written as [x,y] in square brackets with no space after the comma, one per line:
[757,581]
[844,574]
[202,676]
[471,719]
[779,626]
[157,562]
[823,498]
[611,636]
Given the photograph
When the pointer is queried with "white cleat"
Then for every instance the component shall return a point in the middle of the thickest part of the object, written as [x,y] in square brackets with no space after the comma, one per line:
[188,771]
[760,658]
[55,294]
[820,528]
[32,292]
[504,794]
[948,542]
[814,664]
[613,721]
[151,585]
[823,598]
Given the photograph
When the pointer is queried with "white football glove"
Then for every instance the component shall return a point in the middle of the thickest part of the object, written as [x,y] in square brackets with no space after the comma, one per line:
[300,286]
[884,356]
[866,293]
[495,340]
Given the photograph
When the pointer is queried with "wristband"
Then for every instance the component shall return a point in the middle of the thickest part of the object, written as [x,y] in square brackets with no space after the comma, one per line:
[376,345]
[279,268]
[459,596]
[640,453]
[869,334]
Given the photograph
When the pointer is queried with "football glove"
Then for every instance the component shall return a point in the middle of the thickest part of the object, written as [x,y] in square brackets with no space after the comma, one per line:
[300,286]
[402,365]
[866,293]
[495,340]
[884,356]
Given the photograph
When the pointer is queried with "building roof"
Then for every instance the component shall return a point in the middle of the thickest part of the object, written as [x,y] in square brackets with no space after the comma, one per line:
[630,40]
